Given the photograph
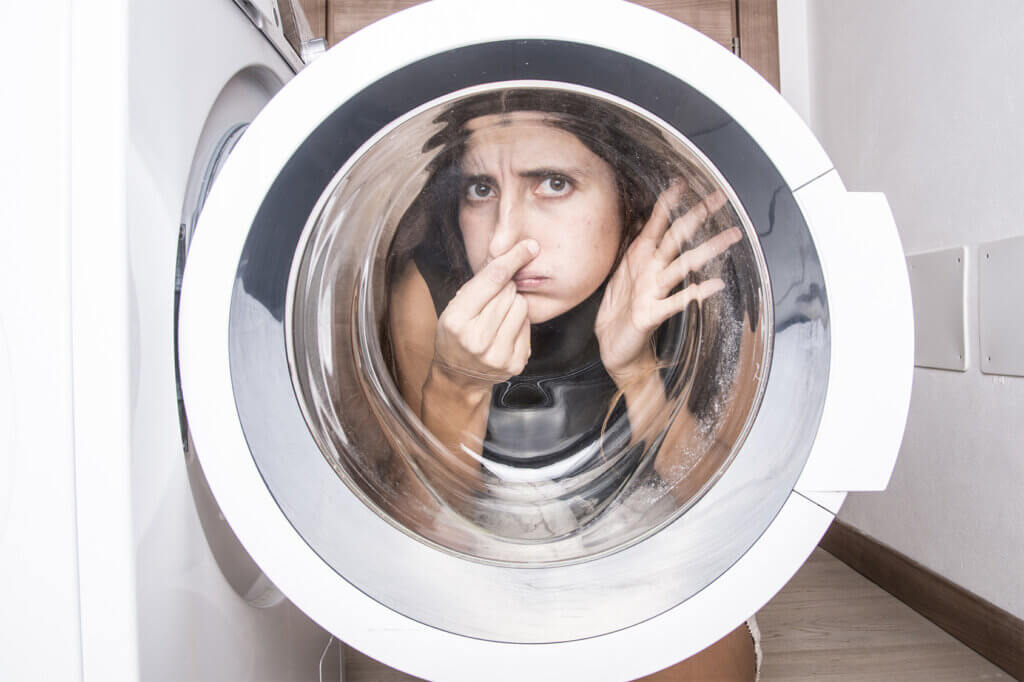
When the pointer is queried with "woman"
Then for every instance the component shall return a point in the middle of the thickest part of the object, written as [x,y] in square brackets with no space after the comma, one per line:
[528,282]
[547,233]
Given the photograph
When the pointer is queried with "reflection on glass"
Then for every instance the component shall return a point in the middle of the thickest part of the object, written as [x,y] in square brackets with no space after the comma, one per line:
[528,325]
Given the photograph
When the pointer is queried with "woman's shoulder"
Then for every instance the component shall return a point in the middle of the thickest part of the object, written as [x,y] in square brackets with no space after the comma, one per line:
[411,306]
[412,324]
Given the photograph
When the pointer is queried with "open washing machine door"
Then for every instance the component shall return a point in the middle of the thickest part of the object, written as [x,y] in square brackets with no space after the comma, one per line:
[637,539]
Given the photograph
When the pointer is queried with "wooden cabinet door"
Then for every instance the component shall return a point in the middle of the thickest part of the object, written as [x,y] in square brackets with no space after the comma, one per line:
[747,27]
[316,15]
[345,17]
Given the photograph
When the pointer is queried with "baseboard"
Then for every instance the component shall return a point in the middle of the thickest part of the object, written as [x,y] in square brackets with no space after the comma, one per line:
[986,628]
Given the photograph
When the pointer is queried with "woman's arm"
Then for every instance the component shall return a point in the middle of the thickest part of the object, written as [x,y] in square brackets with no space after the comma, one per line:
[644,393]
[642,294]
[448,365]
[647,407]
[455,415]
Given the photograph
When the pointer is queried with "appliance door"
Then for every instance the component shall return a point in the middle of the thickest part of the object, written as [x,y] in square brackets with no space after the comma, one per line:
[639,537]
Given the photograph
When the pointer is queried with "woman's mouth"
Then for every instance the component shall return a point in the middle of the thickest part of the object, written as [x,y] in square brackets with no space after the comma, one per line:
[527,280]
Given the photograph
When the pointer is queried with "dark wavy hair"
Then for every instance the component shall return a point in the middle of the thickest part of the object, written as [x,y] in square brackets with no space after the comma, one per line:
[643,163]
[642,160]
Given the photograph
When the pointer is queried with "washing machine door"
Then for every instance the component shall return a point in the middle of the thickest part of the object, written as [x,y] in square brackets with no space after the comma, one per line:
[547,509]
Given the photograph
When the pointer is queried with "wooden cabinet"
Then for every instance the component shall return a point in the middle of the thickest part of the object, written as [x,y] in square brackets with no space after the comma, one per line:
[348,16]
[714,18]
[316,14]
[748,27]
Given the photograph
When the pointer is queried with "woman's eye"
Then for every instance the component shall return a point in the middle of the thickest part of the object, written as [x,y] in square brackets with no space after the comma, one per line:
[554,186]
[478,191]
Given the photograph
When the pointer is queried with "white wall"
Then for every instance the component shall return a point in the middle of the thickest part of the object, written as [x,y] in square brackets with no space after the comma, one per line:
[924,100]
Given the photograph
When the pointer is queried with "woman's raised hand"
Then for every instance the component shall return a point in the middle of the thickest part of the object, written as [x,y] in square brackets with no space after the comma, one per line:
[639,297]
[483,335]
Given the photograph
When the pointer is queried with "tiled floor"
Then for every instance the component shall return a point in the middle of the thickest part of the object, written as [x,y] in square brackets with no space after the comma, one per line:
[829,623]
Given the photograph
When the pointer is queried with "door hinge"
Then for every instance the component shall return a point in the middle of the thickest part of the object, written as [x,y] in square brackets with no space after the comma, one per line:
[736,45]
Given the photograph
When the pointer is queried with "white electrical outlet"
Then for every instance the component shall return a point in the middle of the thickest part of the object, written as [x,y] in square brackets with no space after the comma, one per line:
[1001,306]
[938,284]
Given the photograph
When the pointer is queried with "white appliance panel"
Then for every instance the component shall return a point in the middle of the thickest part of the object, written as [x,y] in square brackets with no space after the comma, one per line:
[154,602]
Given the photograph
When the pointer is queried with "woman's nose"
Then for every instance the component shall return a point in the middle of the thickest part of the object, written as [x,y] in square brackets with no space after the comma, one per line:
[509,227]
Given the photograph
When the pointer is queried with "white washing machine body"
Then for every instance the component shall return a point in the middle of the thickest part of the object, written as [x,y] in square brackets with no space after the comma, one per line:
[617,616]
[154,87]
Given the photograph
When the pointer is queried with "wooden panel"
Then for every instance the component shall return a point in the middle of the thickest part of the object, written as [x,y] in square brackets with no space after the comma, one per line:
[714,18]
[348,16]
[756,25]
[316,15]
[992,632]
[759,37]
[832,624]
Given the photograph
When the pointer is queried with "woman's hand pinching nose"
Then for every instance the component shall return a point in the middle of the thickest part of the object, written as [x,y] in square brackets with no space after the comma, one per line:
[483,335]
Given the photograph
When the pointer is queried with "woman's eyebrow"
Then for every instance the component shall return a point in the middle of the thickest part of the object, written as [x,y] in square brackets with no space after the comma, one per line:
[470,178]
[535,173]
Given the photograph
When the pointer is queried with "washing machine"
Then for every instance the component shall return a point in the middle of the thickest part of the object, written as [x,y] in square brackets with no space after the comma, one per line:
[253,476]
[608,566]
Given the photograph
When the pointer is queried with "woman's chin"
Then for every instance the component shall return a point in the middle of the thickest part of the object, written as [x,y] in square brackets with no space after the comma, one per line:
[540,310]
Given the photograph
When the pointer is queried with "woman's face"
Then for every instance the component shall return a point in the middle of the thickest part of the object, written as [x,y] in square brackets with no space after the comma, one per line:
[525,178]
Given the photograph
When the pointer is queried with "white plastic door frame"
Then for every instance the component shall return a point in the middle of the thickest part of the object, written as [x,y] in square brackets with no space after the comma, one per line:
[666,637]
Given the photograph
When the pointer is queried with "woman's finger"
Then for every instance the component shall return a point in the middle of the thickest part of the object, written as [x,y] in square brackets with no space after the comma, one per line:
[485,325]
[685,226]
[521,350]
[667,202]
[502,349]
[696,258]
[677,302]
[492,278]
